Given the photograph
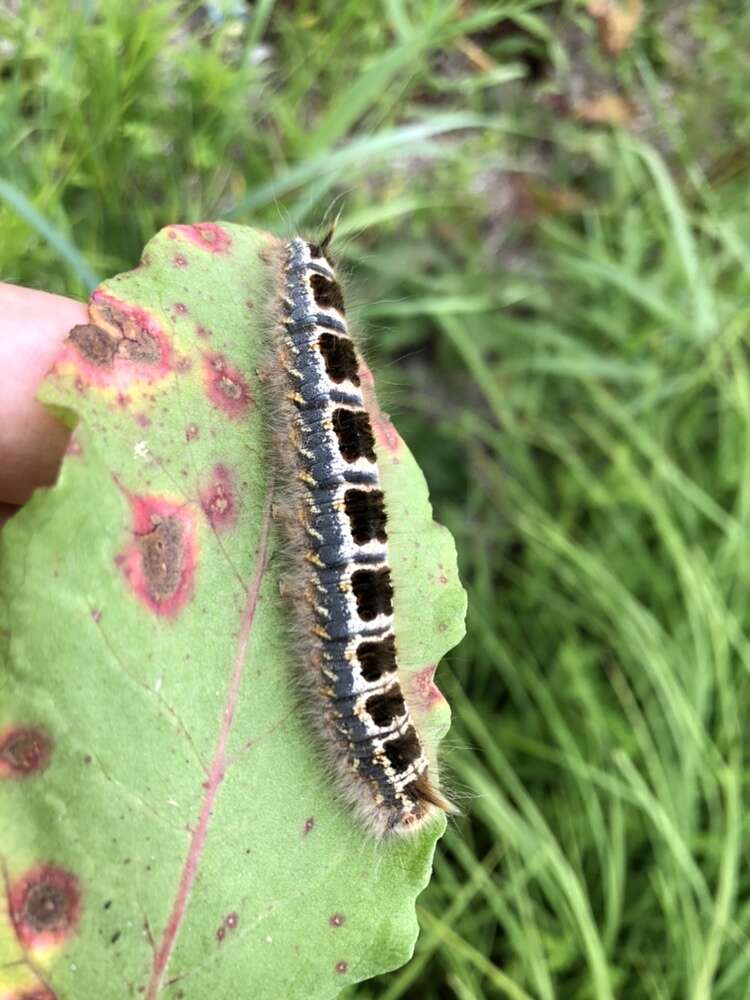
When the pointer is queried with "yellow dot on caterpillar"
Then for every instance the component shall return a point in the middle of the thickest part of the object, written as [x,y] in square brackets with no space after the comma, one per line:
[320,632]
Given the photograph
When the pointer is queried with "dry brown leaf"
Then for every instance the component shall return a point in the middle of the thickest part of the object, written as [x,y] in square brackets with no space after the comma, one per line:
[617,23]
[606,109]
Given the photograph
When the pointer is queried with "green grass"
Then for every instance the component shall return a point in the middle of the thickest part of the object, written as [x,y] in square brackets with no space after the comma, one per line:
[558,313]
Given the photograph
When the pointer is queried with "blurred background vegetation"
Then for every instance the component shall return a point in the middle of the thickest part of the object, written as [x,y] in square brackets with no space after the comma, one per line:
[546,226]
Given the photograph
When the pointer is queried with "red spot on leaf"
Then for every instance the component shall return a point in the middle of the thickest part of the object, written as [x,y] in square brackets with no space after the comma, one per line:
[386,434]
[23,751]
[226,387]
[142,420]
[203,332]
[191,432]
[230,922]
[423,688]
[122,345]
[206,235]
[219,499]
[160,561]
[44,906]
[181,308]
[179,259]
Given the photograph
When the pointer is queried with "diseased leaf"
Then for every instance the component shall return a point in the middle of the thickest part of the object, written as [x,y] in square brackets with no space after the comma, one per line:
[167,825]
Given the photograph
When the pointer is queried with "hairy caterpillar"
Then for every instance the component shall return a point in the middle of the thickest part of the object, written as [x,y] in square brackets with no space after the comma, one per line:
[334,521]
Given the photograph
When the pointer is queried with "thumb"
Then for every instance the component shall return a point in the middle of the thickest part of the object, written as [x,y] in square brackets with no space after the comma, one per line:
[33,325]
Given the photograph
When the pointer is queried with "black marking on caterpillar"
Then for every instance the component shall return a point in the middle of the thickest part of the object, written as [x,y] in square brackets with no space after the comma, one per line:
[334,520]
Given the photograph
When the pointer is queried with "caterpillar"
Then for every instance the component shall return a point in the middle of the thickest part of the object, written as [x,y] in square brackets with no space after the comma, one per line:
[334,523]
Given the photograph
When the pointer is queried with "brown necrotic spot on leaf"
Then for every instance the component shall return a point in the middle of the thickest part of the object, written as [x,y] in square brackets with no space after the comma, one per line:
[162,551]
[336,919]
[339,357]
[159,563]
[226,387]
[123,345]
[180,260]
[94,344]
[354,434]
[373,592]
[308,825]
[45,906]
[139,338]
[23,752]
[219,499]
[342,967]
[191,432]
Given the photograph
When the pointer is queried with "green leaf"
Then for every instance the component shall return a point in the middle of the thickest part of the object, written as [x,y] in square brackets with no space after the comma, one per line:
[168,827]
